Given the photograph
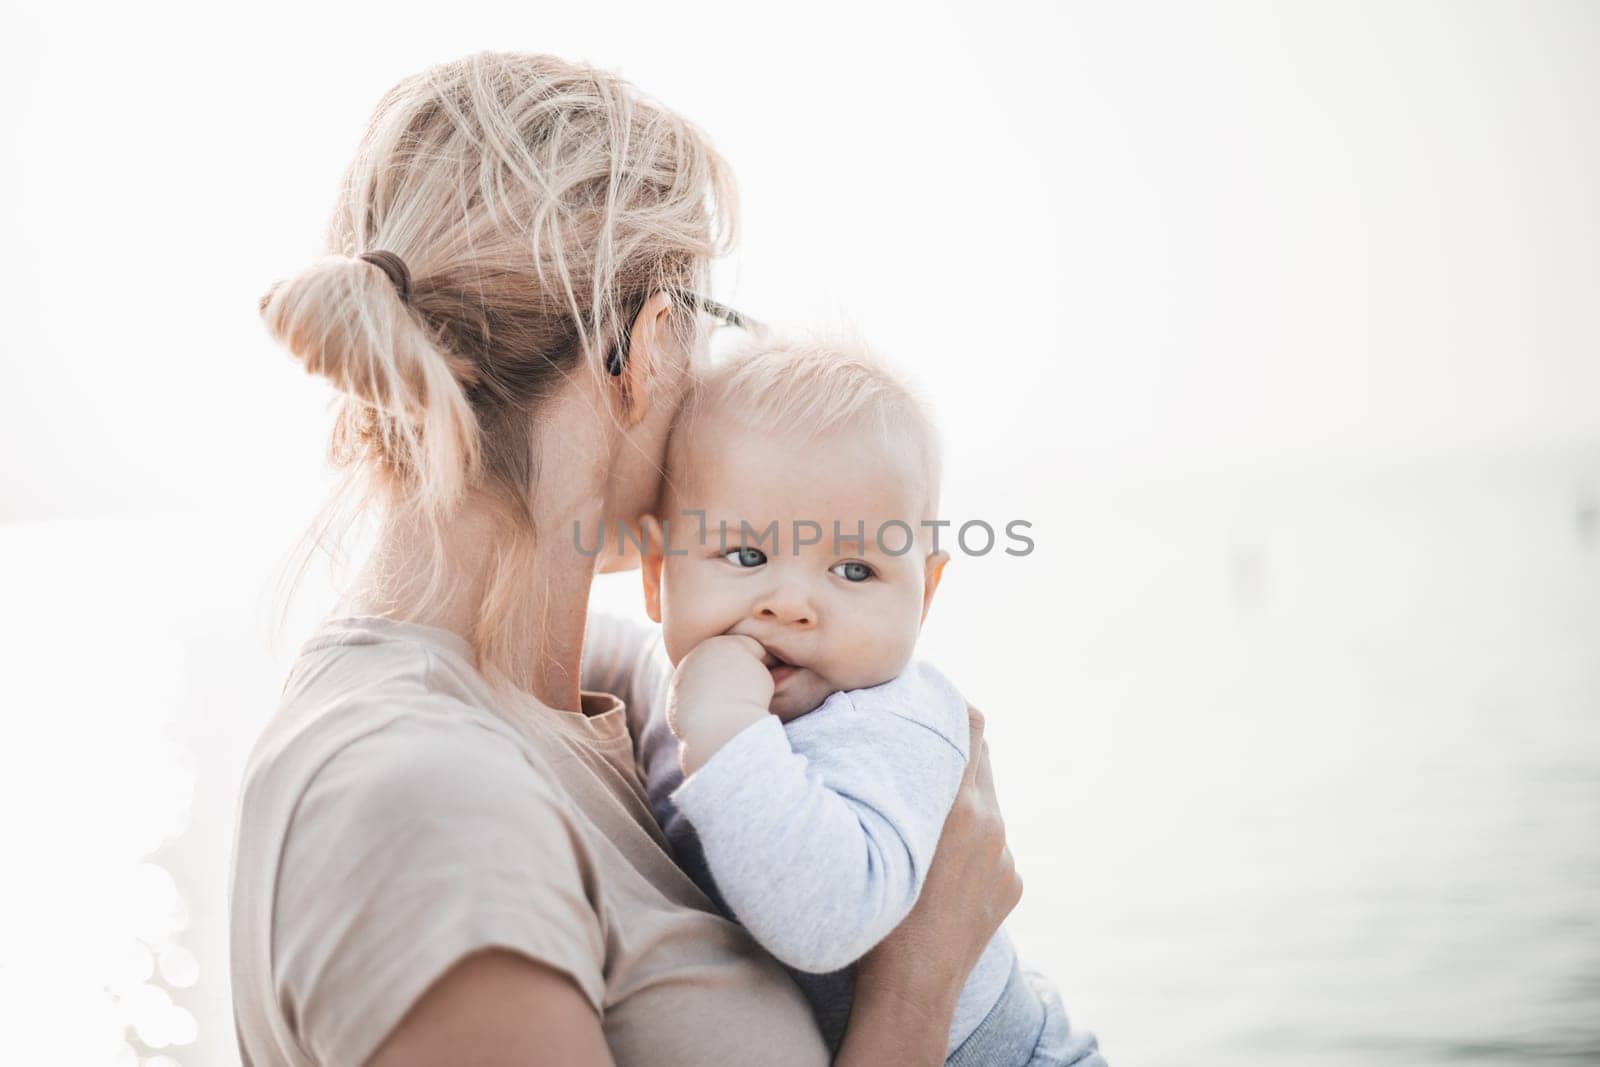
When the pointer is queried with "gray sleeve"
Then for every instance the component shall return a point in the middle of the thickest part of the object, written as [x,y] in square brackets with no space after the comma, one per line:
[819,836]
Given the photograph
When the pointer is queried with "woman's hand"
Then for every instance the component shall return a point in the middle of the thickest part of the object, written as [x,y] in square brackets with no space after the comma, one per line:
[906,988]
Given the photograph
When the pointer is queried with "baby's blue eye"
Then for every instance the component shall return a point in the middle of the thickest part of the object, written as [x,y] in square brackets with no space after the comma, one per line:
[745,557]
[852,571]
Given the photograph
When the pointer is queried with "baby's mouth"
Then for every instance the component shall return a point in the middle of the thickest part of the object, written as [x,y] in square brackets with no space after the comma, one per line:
[780,667]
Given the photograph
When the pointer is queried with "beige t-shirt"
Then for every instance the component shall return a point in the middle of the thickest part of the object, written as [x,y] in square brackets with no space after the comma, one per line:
[396,817]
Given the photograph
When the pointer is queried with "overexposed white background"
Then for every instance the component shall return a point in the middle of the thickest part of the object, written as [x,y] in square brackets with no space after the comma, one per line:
[1280,322]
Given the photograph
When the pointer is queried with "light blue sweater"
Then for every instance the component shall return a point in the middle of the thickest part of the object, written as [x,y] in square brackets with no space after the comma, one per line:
[817,835]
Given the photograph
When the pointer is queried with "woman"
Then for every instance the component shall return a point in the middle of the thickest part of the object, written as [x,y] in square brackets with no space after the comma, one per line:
[444,852]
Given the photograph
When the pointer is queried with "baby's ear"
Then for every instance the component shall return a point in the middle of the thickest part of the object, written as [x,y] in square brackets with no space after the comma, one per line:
[650,565]
[932,571]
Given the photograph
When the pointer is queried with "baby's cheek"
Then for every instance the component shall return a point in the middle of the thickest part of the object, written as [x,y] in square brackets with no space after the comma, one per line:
[871,655]
[683,622]
[677,642]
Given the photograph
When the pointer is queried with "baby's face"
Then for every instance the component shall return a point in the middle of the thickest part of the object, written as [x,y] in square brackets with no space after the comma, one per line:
[831,616]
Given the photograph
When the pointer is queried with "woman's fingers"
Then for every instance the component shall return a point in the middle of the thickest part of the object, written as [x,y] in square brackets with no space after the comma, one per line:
[983,806]
[983,775]
[971,887]
[978,781]
[975,726]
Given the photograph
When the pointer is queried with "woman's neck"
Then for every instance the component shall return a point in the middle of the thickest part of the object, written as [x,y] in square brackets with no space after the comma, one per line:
[548,614]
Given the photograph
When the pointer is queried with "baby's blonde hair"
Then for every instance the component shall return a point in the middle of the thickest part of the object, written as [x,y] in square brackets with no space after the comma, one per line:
[536,203]
[807,386]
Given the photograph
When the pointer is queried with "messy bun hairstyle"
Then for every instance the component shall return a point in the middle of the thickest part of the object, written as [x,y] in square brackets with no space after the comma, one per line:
[535,202]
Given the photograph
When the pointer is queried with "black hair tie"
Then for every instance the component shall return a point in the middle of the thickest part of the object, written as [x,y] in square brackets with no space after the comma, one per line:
[395,268]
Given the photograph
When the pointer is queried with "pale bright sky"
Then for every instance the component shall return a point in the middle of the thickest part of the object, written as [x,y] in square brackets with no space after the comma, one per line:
[1118,244]
[1112,240]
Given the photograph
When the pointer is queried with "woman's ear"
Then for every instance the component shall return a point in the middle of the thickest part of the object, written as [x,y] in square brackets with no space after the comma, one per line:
[647,335]
[932,571]
[650,566]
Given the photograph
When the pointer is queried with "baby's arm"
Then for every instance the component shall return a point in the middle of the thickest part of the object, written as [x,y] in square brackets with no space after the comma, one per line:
[819,835]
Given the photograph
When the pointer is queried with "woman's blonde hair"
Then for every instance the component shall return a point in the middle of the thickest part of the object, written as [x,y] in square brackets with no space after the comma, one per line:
[535,202]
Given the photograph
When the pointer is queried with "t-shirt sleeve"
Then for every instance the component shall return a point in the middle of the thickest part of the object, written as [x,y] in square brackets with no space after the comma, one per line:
[628,660]
[426,840]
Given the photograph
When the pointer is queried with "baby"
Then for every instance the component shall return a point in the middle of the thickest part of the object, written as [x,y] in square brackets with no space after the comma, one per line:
[800,762]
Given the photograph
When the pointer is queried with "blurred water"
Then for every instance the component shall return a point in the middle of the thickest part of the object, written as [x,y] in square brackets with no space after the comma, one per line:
[1325,766]
[1298,771]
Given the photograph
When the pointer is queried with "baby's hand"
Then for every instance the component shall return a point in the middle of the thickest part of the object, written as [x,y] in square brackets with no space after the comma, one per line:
[719,688]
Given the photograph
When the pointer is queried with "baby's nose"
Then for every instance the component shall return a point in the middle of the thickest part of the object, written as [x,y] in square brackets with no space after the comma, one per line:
[788,606]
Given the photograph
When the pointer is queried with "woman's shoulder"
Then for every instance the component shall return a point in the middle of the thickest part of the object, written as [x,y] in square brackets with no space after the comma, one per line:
[377,713]
[386,797]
